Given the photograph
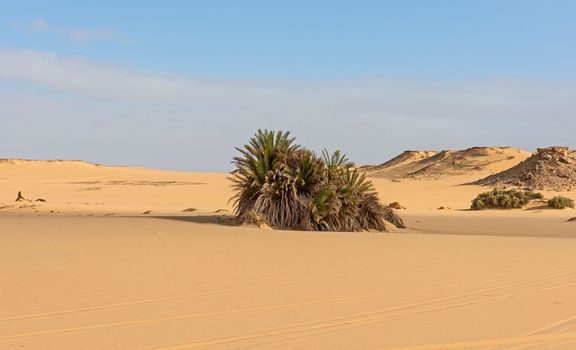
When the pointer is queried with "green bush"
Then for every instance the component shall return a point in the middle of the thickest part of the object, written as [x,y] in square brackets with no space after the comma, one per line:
[504,199]
[560,202]
[290,187]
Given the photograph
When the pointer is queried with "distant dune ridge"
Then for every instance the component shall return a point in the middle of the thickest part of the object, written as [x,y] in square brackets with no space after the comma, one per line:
[400,162]
[19,161]
[434,164]
[404,158]
[550,168]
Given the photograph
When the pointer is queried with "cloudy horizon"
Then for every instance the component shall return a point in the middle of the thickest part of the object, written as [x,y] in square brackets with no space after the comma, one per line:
[62,97]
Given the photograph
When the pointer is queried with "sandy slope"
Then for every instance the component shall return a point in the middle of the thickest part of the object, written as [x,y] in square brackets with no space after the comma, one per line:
[438,165]
[74,278]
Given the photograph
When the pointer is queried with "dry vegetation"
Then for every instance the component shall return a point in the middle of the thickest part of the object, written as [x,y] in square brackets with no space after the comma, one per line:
[560,202]
[504,199]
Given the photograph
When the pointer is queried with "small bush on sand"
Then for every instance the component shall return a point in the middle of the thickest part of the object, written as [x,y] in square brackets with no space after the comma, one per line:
[396,205]
[560,202]
[290,187]
[504,199]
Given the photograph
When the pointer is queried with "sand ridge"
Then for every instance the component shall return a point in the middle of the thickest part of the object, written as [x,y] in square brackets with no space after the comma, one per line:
[402,159]
[435,165]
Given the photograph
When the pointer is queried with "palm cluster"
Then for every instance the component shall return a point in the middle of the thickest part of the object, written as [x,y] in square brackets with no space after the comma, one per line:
[290,187]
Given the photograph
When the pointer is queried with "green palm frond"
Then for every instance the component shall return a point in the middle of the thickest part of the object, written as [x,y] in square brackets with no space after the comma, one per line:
[292,188]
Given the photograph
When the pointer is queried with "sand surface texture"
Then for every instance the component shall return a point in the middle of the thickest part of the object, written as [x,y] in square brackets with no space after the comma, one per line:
[87,269]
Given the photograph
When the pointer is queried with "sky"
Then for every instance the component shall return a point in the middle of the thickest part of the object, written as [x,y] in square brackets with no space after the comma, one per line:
[179,84]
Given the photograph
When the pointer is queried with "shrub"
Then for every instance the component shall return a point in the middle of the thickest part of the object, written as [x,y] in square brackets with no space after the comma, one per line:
[291,187]
[396,205]
[504,199]
[393,218]
[560,202]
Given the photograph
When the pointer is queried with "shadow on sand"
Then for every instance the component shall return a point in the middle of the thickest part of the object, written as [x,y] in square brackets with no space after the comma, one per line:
[537,207]
[225,220]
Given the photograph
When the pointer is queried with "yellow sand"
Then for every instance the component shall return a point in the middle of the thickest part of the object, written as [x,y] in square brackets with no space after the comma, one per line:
[88,270]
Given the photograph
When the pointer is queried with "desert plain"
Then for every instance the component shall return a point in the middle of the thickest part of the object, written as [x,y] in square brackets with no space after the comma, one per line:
[135,258]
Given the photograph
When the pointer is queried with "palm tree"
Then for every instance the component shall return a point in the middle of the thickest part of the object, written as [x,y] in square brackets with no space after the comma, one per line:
[289,187]
[255,163]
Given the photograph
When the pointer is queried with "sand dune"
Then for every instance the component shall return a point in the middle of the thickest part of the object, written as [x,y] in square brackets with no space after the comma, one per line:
[402,160]
[435,165]
[88,270]
[84,188]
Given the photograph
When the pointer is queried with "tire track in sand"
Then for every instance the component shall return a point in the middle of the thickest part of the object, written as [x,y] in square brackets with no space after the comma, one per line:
[43,315]
[475,344]
[323,327]
[309,328]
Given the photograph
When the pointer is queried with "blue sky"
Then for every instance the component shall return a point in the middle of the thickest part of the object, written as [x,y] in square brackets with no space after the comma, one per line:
[152,82]
[314,39]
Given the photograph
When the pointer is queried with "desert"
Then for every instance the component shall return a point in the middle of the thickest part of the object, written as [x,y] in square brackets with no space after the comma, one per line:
[137,258]
[287,175]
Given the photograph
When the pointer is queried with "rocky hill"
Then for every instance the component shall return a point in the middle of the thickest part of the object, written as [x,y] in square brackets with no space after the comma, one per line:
[551,168]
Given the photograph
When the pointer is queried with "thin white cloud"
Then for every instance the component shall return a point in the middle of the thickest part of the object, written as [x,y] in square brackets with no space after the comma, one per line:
[157,118]
[75,34]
